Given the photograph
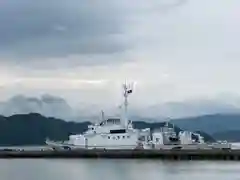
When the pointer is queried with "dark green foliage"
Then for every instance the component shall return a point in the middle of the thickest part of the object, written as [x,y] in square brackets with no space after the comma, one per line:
[33,129]
[232,136]
[210,124]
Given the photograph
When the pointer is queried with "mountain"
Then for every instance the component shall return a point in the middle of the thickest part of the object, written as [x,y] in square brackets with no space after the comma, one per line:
[224,124]
[48,105]
[210,124]
[33,129]
[231,135]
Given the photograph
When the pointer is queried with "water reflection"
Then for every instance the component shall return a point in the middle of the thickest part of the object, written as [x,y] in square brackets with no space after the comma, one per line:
[94,169]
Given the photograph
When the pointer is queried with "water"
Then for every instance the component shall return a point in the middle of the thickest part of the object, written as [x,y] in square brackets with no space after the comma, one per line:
[110,169]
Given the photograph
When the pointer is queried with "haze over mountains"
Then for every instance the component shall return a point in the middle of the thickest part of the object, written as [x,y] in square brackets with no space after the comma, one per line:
[214,117]
[53,106]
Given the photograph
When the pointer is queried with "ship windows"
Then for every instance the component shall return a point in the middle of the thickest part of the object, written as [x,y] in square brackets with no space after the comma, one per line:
[110,121]
[117,131]
[118,137]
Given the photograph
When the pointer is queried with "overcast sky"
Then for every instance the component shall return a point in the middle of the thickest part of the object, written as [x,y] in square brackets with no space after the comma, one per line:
[84,50]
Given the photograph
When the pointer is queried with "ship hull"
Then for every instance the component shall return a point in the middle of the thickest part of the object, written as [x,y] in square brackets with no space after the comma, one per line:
[61,145]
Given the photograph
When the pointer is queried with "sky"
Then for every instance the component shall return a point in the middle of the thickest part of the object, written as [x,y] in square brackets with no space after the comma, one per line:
[83,51]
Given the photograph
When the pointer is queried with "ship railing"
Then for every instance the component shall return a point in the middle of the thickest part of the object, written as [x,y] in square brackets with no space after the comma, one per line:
[95,147]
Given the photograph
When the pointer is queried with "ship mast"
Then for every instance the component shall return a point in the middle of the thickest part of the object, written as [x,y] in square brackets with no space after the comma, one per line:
[127,90]
[102,115]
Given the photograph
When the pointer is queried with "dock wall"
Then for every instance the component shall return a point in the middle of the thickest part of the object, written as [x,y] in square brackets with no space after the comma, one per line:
[137,154]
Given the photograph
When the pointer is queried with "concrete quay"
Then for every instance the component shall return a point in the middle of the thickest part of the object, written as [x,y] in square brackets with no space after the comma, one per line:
[217,154]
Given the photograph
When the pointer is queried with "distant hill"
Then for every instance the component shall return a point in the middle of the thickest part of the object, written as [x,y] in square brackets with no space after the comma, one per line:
[210,124]
[47,105]
[33,129]
[232,136]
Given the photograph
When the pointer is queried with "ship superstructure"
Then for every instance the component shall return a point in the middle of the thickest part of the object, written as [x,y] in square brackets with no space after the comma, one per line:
[113,133]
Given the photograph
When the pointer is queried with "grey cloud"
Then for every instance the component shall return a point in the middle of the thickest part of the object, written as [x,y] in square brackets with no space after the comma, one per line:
[33,30]
[189,108]
[51,28]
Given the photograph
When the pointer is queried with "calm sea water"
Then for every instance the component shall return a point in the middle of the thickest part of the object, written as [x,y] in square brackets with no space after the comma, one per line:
[110,169]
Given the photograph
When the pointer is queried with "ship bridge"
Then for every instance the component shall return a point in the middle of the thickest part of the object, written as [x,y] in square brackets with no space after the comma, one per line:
[111,121]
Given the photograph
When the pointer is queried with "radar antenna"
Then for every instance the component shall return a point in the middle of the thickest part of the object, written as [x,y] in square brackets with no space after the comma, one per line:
[128,89]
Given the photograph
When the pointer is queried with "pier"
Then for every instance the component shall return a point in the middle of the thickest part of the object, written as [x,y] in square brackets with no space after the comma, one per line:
[233,155]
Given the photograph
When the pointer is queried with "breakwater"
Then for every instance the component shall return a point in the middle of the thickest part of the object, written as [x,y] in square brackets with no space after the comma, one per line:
[217,154]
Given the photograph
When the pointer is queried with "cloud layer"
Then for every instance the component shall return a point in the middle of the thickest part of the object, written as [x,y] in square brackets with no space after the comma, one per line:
[56,30]
[36,31]
[173,49]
